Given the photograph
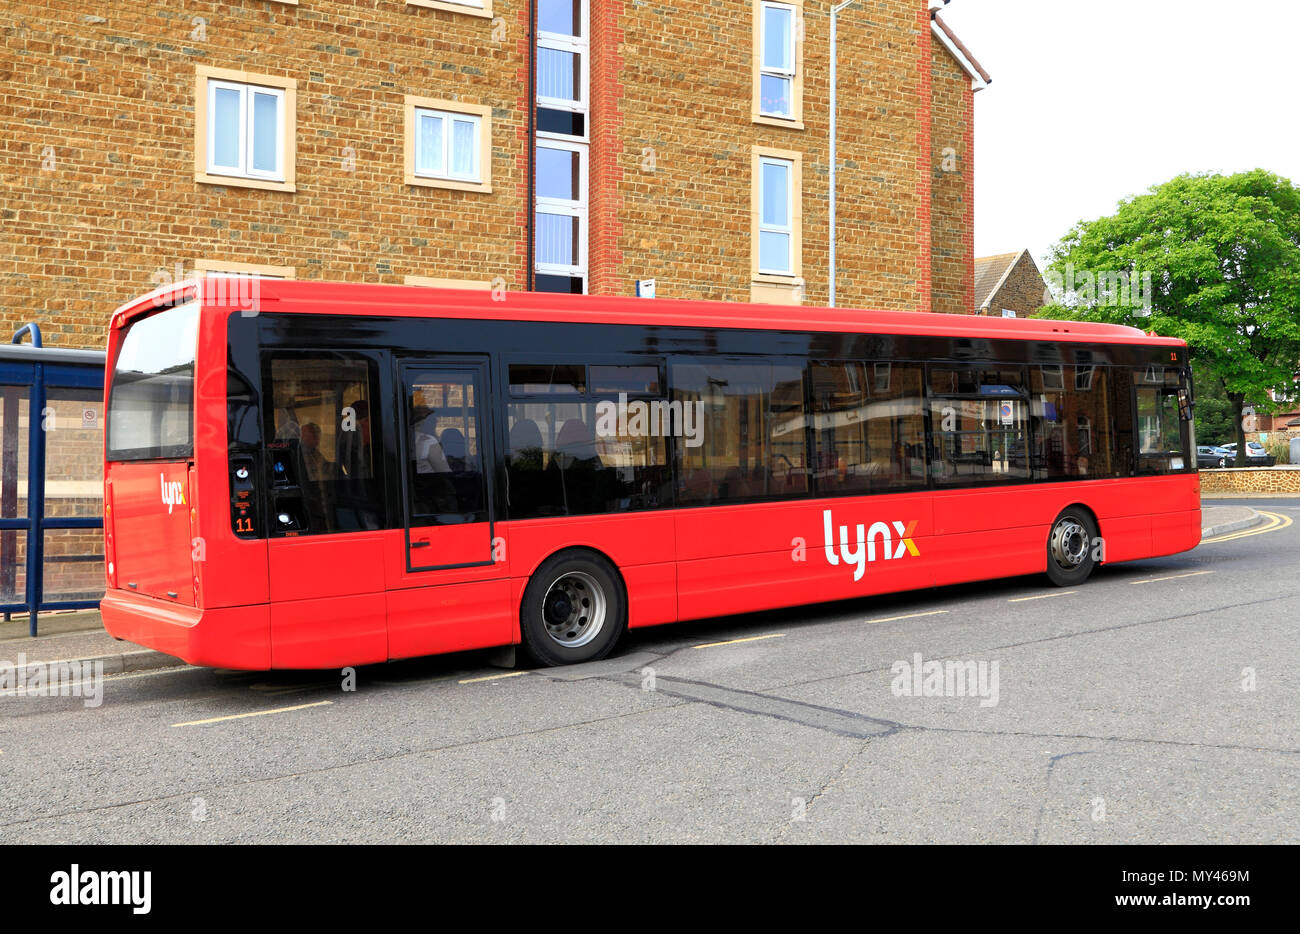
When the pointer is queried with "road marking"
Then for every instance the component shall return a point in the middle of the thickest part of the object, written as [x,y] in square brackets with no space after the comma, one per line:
[1172,577]
[1042,596]
[255,713]
[890,619]
[508,674]
[1276,523]
[714,645]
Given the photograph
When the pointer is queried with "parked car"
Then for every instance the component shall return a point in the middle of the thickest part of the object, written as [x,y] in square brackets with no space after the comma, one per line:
[1208,457]
[1256,456]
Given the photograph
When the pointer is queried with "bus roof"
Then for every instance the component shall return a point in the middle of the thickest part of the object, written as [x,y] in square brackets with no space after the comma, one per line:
[318,297]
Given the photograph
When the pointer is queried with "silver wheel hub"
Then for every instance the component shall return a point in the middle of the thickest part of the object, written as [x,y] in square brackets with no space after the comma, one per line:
[573,609]
[1070,544]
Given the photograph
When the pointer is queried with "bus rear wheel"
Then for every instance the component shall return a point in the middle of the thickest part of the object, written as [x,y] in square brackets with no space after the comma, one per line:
[574,609]
[1070,547]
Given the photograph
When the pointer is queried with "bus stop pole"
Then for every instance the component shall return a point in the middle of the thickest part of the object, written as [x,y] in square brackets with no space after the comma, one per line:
[35,494]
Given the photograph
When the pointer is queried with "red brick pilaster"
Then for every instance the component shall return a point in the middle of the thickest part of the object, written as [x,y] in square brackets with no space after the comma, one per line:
[924,171]
[605,180]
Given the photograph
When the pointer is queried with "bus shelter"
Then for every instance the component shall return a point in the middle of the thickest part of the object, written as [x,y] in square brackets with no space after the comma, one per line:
[51,477]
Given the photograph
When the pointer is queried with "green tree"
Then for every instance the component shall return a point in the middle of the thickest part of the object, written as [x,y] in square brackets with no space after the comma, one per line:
[1213,411]
[1211,259]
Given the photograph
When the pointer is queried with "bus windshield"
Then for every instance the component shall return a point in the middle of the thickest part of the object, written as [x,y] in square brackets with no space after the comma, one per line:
[151,398]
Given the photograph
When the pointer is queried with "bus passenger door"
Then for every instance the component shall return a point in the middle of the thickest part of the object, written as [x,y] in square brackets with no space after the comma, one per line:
[452,590]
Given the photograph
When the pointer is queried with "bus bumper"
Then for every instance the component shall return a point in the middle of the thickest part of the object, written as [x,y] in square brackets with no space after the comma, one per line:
[225,637]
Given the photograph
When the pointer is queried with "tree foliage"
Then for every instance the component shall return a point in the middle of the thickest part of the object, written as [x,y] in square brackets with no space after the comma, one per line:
[1211,259]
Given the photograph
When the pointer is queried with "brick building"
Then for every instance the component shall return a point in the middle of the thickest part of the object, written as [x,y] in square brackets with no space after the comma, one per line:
[395,140]
[1009,282]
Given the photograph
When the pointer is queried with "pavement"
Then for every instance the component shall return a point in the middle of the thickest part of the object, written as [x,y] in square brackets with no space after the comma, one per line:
[80,636]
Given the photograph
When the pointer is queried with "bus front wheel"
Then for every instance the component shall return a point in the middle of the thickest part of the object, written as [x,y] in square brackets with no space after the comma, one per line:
[1070,547]
[574,609]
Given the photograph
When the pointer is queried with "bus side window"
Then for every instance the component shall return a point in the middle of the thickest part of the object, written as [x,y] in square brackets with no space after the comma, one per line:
[868,426]
[584,443]
[741,435]
[1071,409]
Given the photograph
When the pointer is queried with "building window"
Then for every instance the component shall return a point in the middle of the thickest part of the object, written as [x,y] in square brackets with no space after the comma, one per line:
[245,129]
[778,54]
[562,54]
[777,216]
[561,154]
[469,7]
[561,210]
[448,144]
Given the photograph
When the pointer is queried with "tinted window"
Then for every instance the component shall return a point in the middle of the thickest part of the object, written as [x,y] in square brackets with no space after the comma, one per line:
[979,420]
[151,399]
[326,469]
[1072,411]
[1163,438]
[743,432]
[869,427]
[600,452]
[445,469]
[547,379]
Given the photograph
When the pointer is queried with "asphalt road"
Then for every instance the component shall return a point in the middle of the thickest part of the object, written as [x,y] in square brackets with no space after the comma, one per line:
[1124,714]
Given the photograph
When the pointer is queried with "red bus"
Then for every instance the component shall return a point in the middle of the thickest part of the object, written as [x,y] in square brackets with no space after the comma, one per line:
[347,474]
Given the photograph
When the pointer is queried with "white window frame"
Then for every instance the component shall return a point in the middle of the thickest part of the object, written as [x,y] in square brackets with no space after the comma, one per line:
[792,72]
[448,118]
[567,208]
[478,114]
[580,46]
[245,168]
[788,229]
[568,144]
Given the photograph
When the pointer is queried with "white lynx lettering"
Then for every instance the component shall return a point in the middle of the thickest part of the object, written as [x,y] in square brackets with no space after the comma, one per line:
[865,542]
[173,492]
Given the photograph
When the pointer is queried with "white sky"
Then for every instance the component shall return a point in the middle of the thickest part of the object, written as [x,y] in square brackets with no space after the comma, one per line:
[1096,100]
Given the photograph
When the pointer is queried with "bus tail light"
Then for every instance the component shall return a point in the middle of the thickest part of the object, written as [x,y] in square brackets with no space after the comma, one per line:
[110,557]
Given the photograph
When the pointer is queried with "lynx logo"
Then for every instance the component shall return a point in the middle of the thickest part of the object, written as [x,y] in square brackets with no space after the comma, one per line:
[866,540]
[86,887]
[173,493]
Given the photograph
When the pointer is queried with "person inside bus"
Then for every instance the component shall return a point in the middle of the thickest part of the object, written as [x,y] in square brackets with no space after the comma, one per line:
[456,450]
[581,471]
[434,492]
[316,464]
[531,491]
[357,506]
[317,477]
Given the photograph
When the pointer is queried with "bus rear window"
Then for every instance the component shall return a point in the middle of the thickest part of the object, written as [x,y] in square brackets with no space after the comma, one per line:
[151,398]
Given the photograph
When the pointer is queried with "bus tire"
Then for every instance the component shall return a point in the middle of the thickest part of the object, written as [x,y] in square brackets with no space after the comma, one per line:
[574,609]
[1070,547]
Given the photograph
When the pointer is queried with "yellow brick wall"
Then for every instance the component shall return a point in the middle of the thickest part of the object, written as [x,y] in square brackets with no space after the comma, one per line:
[99,201]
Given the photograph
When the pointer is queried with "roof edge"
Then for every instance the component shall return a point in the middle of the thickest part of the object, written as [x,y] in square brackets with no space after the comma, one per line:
[980,78]
[1015,261]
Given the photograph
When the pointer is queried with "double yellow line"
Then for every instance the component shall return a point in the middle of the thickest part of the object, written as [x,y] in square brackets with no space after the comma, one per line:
[1275,522]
